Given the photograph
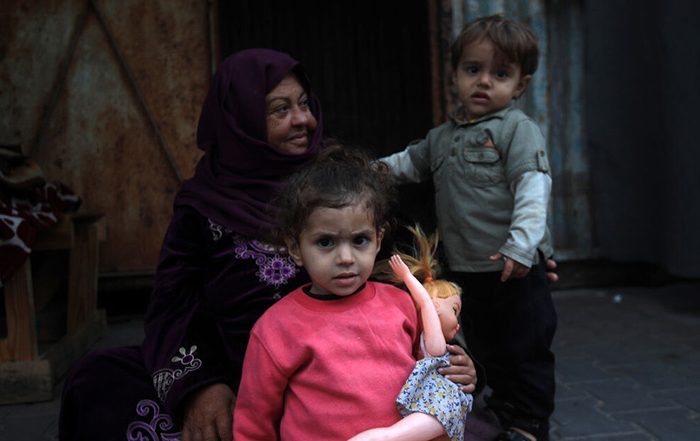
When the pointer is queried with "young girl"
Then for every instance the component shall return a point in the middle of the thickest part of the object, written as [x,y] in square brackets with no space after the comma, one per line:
[327,360]
[431,404]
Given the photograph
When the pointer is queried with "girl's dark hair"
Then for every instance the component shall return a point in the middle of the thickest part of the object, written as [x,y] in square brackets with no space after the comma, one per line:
[338,177]
[515,41]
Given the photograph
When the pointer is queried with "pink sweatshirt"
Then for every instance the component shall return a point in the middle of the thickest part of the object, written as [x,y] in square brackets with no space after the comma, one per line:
[326,369]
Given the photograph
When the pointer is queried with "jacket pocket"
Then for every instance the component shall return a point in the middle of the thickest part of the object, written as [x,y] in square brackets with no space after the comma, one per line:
[482,166]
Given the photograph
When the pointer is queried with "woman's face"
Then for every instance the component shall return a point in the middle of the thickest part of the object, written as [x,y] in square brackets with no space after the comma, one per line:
[290,123]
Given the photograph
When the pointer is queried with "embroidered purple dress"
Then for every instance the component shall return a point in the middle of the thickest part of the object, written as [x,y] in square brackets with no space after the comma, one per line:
[214,278]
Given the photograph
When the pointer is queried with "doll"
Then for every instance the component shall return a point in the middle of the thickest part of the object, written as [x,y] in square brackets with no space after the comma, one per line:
[431,404]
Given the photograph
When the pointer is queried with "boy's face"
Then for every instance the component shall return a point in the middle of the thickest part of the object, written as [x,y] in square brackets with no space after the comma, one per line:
[486,83]
[337,247]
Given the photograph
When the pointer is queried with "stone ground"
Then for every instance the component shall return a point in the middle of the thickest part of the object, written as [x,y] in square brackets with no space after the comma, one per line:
[628,368]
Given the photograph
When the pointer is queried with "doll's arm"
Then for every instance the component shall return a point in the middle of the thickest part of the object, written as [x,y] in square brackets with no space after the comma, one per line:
[432,331]
[415,427]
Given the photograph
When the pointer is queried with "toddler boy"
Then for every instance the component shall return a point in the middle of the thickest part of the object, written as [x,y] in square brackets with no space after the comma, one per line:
[492,184]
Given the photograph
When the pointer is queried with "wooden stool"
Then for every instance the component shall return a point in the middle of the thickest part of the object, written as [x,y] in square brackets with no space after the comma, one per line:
[25,374]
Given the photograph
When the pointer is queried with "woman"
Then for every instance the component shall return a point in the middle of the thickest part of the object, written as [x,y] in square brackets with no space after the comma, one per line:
[259,123]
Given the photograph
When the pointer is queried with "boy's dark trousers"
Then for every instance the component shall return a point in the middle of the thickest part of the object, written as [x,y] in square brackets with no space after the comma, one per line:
[509,328]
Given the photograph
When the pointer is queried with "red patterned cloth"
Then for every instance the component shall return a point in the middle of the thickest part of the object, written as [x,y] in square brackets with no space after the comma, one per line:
[23,213]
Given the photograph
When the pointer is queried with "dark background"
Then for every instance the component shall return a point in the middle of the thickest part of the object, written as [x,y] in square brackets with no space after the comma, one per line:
[642,80]
[369,64]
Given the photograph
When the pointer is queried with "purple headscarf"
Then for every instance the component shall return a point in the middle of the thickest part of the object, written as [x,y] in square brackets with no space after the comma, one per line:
[240,172]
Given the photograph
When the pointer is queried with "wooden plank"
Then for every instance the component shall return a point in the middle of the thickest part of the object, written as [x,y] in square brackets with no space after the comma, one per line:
[49,277]
[25,381]
[101,230]
[61,236]
[20,344]
[32,381]
[58,237]
[70,348]
[82,283]
[85,216]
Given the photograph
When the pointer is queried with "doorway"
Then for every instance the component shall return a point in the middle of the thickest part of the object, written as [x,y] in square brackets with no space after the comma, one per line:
[369,63]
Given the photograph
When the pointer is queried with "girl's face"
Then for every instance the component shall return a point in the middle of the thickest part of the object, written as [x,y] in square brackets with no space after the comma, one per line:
[337,247]
[448,310]
[289,121]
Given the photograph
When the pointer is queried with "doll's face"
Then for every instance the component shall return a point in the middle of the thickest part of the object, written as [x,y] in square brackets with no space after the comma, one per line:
[448,310]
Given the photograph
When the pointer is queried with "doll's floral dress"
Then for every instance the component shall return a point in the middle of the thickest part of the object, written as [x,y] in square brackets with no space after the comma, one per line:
[429,392]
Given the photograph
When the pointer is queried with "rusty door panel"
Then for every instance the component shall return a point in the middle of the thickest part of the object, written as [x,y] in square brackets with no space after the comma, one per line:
[33,41]
[106,97]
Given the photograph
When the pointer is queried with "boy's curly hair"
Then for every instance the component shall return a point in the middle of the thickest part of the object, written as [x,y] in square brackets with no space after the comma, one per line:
[515,41]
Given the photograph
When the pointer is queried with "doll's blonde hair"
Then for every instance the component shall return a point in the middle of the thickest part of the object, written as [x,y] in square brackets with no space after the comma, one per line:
[423,265]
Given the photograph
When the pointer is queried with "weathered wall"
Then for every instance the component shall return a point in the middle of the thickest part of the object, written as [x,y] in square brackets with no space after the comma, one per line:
[105,96]
[642,65]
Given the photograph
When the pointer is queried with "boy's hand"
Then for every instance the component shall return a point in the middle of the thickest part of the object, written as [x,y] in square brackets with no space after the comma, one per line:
[511,268]
[551,275]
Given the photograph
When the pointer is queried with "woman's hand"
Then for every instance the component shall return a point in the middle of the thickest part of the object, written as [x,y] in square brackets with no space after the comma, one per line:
[462,370]
[209,414]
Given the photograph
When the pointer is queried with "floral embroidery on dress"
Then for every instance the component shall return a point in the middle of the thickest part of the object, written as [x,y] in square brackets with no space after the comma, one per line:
[217,230]
[163,379]
[275,267]
[153,430]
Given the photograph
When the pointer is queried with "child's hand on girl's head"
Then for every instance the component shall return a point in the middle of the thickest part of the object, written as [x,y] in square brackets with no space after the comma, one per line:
[511,268]
[399,267]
